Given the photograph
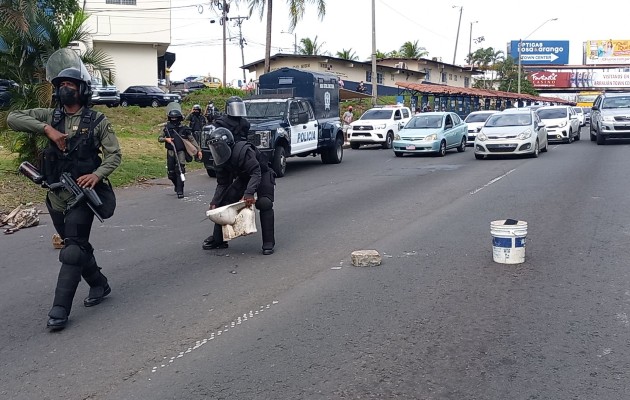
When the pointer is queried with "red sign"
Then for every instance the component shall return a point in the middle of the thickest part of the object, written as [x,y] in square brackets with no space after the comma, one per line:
[550,79]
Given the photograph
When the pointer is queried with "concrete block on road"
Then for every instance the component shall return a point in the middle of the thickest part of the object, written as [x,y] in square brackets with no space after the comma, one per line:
[366,258]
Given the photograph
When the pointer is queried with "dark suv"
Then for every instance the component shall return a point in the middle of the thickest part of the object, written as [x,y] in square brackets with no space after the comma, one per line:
[5,94]
[147,96]
[610,117]
[185,88]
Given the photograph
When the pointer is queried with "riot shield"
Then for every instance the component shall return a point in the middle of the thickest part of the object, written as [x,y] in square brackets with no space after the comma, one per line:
[62,59]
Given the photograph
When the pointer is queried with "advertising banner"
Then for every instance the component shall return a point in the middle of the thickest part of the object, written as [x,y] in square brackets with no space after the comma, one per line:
[607,52]
[541,52]
[591,78]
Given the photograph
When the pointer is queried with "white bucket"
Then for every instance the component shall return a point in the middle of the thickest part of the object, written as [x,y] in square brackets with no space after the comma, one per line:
[508,242]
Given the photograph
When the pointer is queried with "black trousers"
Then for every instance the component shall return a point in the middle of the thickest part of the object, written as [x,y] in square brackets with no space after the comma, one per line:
[74,227]
[265,192]
[173,171]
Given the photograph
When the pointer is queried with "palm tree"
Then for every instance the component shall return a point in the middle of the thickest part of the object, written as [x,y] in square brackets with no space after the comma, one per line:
[347,54]
[296,12]
[310,47]
[412,50]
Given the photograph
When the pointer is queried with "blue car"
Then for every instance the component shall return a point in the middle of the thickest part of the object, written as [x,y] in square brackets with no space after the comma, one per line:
[431,132]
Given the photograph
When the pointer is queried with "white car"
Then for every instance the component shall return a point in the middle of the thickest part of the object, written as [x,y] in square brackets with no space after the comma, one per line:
[475,121]
[513,131]
[581,115]
[378,126]
[562,123]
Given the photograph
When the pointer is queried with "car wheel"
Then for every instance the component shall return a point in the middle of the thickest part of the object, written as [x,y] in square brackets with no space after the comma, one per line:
[155,103]
[110,105]
[592,133]
[211,173]
[333,155]
[279,163]
[577,135]
[124,103]
[354,145]
[462,146]
[388,141]
[479,156]
[442,151]
[536,150]
[398,153]
[600,139]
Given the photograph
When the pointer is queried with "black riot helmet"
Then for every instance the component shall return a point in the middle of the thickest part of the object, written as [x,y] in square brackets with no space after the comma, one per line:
[74,75]
[175,117]
[197,107]
[235,107]
[221,142]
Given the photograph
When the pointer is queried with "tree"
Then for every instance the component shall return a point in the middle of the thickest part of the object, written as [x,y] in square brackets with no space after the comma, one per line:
[347,54]
[486,60]
[507,71]
[310,47]
[412,50]
[296,12]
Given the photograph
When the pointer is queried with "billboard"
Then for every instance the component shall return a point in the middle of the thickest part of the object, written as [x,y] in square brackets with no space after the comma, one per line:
[607,52]
[541,52]
[583,78]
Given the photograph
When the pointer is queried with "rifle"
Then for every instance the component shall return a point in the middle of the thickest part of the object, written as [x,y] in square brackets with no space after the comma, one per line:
[66,181]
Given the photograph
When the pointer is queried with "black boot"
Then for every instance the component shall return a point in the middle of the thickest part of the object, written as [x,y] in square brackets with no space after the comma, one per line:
[211,243]
[67,282]
[267,228]
[99,288]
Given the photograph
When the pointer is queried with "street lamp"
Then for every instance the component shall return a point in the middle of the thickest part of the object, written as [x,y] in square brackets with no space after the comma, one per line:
[470,44]
[461,8]
[295,41]
[520,43]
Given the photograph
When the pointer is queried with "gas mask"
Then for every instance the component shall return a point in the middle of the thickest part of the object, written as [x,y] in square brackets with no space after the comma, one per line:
[68,96]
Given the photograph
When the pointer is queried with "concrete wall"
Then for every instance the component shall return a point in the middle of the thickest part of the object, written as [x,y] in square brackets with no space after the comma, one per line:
[136,64]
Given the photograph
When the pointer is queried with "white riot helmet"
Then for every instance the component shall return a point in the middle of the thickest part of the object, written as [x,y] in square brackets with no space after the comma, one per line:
[235,107]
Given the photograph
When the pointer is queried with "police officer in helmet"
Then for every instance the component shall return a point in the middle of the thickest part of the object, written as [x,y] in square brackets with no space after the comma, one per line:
[240,175]
[211,112]
[234,119]
[196,121]
[77,135]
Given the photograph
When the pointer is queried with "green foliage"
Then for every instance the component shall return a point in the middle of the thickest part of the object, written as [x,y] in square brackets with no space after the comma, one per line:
[412,50]
[310,47]
[348,54]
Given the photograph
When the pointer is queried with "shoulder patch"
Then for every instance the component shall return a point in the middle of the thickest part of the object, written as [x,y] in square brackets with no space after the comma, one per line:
[109,128]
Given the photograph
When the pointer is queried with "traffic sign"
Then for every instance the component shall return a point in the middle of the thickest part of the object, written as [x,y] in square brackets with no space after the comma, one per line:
[541,52]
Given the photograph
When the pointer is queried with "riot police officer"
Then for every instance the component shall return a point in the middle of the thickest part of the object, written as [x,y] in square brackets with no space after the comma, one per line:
[211,112]
[196,121]
[234,119]
[76,136]
[173,136]
[240,175]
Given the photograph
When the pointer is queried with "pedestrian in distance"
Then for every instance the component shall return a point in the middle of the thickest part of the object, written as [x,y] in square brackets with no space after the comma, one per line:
[77,136]
[347,118]
[242,171]
[361,87]
[234,118]
[173,136]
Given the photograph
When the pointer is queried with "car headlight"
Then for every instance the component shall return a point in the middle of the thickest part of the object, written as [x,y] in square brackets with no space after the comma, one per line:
[264,139]
[525,135]
[430,137]
[481,136]
[563,124]
[381,126]
[608,118]
[396,137]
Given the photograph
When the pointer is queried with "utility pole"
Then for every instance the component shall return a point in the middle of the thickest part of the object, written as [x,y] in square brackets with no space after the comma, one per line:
[470,45]
[241,41]
[374,74]
[461,8]
[224,11]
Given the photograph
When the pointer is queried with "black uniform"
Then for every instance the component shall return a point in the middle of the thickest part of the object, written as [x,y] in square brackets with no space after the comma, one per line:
[245,175]
[196,122]
[239,126]
[211,114]
[178,133]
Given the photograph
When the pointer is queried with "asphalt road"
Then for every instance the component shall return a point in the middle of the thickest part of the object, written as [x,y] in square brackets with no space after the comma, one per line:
[437,320]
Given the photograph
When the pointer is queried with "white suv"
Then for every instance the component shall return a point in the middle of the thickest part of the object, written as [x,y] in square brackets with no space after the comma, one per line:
[562,123]
[378,126]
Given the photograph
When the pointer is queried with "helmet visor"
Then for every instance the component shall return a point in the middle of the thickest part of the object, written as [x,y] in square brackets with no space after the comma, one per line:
[63,59]
[236,109]
[220,150]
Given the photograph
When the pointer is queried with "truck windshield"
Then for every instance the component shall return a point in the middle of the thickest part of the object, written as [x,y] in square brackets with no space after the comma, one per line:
[377,114]
[276,109]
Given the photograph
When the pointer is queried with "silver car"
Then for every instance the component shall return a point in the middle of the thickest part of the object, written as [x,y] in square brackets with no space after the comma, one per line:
[513,131]
[610,117]
[475,121]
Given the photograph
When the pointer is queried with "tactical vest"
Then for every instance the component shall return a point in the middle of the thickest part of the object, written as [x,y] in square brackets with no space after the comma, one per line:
[174,133]
[238,153]
[82,150]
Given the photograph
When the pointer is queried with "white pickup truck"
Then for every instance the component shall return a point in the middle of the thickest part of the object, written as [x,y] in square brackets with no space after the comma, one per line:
[378,126]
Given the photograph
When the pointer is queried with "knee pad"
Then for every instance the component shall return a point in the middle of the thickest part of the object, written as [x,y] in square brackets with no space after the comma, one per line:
[264,204]
[73,254]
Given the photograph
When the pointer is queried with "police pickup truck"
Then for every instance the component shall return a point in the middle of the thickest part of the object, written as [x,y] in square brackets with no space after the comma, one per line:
[295,113]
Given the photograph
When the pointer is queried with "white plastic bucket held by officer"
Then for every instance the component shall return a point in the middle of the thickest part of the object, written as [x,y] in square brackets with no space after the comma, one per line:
[236,220]
[508,241]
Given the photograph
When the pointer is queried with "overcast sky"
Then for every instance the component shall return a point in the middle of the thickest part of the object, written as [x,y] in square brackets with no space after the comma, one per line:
[348,25]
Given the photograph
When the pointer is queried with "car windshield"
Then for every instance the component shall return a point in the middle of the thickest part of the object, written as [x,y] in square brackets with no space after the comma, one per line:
[377,114]
[586,110]
[551,113]
[154,89]
[267,109]
[477,117]
[616,102]
[498,120]
[424,122]
[578,110]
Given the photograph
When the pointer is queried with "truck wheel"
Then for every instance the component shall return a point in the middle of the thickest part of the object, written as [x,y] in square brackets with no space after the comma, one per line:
[354,145]
[333,155]
[279,163]
[388,141]
[211,173]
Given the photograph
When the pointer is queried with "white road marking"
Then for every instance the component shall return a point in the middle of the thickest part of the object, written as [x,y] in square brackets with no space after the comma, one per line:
[492,181]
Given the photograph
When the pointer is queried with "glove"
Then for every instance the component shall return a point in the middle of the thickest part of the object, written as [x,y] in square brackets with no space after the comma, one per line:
[249,200]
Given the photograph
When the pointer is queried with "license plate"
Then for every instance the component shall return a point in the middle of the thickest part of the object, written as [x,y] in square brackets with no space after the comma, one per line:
[410,147]
[505,146]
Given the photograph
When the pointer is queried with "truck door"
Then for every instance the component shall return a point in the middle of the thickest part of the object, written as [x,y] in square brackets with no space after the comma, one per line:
[303,127]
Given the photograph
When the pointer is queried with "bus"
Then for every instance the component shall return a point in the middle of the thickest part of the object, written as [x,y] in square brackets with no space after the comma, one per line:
[586,99]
